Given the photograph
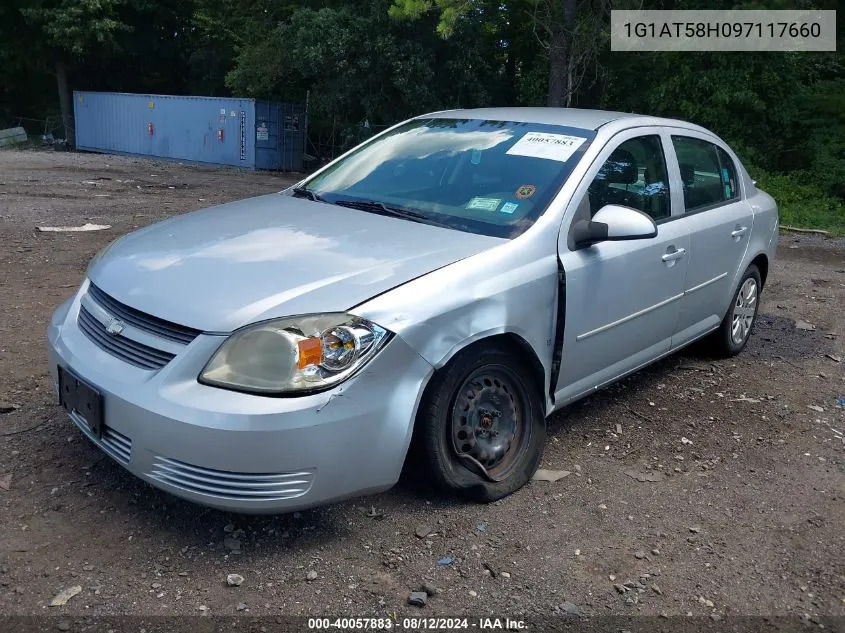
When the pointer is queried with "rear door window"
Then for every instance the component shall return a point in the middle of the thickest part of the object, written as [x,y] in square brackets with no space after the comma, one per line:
[728,175]
[707,173]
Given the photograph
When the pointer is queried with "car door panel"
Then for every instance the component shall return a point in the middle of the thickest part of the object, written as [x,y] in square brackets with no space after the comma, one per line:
[715,258]
[719,235]
[622,305]
[622,297]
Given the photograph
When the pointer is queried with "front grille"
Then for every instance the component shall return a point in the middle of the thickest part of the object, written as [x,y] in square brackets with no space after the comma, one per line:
[237,486]
[116,445]
[132,352]
[141,320]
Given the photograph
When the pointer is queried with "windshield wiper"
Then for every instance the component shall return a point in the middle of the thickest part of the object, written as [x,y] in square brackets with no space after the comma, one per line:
[302,192]
[383,209]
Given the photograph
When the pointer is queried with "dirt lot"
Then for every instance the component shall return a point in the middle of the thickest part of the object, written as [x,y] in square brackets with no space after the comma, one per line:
[722,495]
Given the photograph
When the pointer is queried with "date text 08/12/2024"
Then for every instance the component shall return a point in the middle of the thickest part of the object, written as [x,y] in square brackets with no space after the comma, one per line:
[416,624]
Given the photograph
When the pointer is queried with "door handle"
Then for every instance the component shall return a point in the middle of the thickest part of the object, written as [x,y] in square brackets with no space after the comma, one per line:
[676,254]
[739,232]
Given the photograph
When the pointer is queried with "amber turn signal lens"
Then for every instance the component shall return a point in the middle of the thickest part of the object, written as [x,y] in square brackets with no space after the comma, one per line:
[310,352]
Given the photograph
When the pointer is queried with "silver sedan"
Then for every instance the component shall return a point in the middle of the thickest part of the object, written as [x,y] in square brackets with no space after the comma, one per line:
[437,292]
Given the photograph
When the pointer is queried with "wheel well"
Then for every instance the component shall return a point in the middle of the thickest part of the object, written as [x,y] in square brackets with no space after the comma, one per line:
[762,263]
[511,343]
[521,347]
[518,346]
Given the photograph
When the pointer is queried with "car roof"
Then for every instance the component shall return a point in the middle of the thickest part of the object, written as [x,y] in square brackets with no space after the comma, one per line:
[570,117]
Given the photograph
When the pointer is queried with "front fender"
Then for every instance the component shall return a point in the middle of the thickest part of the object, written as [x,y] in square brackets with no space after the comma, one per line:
[500,291]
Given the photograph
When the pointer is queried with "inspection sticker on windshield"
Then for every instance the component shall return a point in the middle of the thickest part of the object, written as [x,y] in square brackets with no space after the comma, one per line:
[526,191]
[509,207]
[485,204]
[551,146]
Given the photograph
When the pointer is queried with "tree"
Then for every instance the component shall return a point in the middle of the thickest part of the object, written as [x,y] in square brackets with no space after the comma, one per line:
[371,70]
[17,81]
[70,30]
[570,32]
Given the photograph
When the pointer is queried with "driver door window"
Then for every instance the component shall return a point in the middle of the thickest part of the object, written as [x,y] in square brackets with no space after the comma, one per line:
[633,176]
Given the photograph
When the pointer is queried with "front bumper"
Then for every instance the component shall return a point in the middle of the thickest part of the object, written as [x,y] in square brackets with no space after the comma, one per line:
[242,452]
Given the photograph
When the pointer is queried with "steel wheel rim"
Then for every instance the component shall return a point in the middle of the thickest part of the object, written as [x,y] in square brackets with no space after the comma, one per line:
[490,428]
[745,307]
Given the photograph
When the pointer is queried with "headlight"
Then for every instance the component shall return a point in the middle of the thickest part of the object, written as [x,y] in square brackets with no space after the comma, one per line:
[294,355]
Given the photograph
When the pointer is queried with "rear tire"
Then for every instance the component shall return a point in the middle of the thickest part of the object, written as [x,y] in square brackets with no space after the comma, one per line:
[733,334]
[481,412]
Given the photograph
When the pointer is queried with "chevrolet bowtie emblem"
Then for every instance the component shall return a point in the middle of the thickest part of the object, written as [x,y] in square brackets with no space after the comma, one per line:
[115,326]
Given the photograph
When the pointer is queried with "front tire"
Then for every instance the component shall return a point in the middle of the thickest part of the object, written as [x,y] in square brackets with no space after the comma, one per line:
[732,336]
[481,427]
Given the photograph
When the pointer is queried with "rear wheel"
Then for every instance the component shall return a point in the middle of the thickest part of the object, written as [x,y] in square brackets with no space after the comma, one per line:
[732,335]
[481,427]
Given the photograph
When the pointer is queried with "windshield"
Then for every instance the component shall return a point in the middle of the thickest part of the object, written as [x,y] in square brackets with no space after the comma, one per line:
[490,177]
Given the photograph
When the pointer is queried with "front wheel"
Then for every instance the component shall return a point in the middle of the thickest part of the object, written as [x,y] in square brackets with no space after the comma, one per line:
[731,337]
[481,426]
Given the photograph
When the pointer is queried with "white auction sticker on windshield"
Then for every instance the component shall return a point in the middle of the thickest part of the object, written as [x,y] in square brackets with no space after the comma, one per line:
[558,147]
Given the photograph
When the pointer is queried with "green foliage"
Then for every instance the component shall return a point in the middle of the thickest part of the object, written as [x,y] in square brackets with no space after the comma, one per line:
[77,26]
[371,69]
[449,12]
[802,201]
[18,82]
[821,111]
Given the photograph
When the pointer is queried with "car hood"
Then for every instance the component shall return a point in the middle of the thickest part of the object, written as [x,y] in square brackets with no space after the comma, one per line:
[230,265]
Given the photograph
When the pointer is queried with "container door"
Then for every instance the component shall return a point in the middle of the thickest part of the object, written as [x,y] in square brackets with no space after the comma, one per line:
[267,139]
[293,136]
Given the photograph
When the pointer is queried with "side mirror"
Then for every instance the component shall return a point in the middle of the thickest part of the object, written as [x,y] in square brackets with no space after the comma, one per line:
[614,223]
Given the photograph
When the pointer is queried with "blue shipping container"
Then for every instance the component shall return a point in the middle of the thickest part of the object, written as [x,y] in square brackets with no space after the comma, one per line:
[225,131]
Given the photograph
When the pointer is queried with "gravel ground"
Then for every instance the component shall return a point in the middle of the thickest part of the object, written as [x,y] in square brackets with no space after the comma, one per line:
[702,487]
